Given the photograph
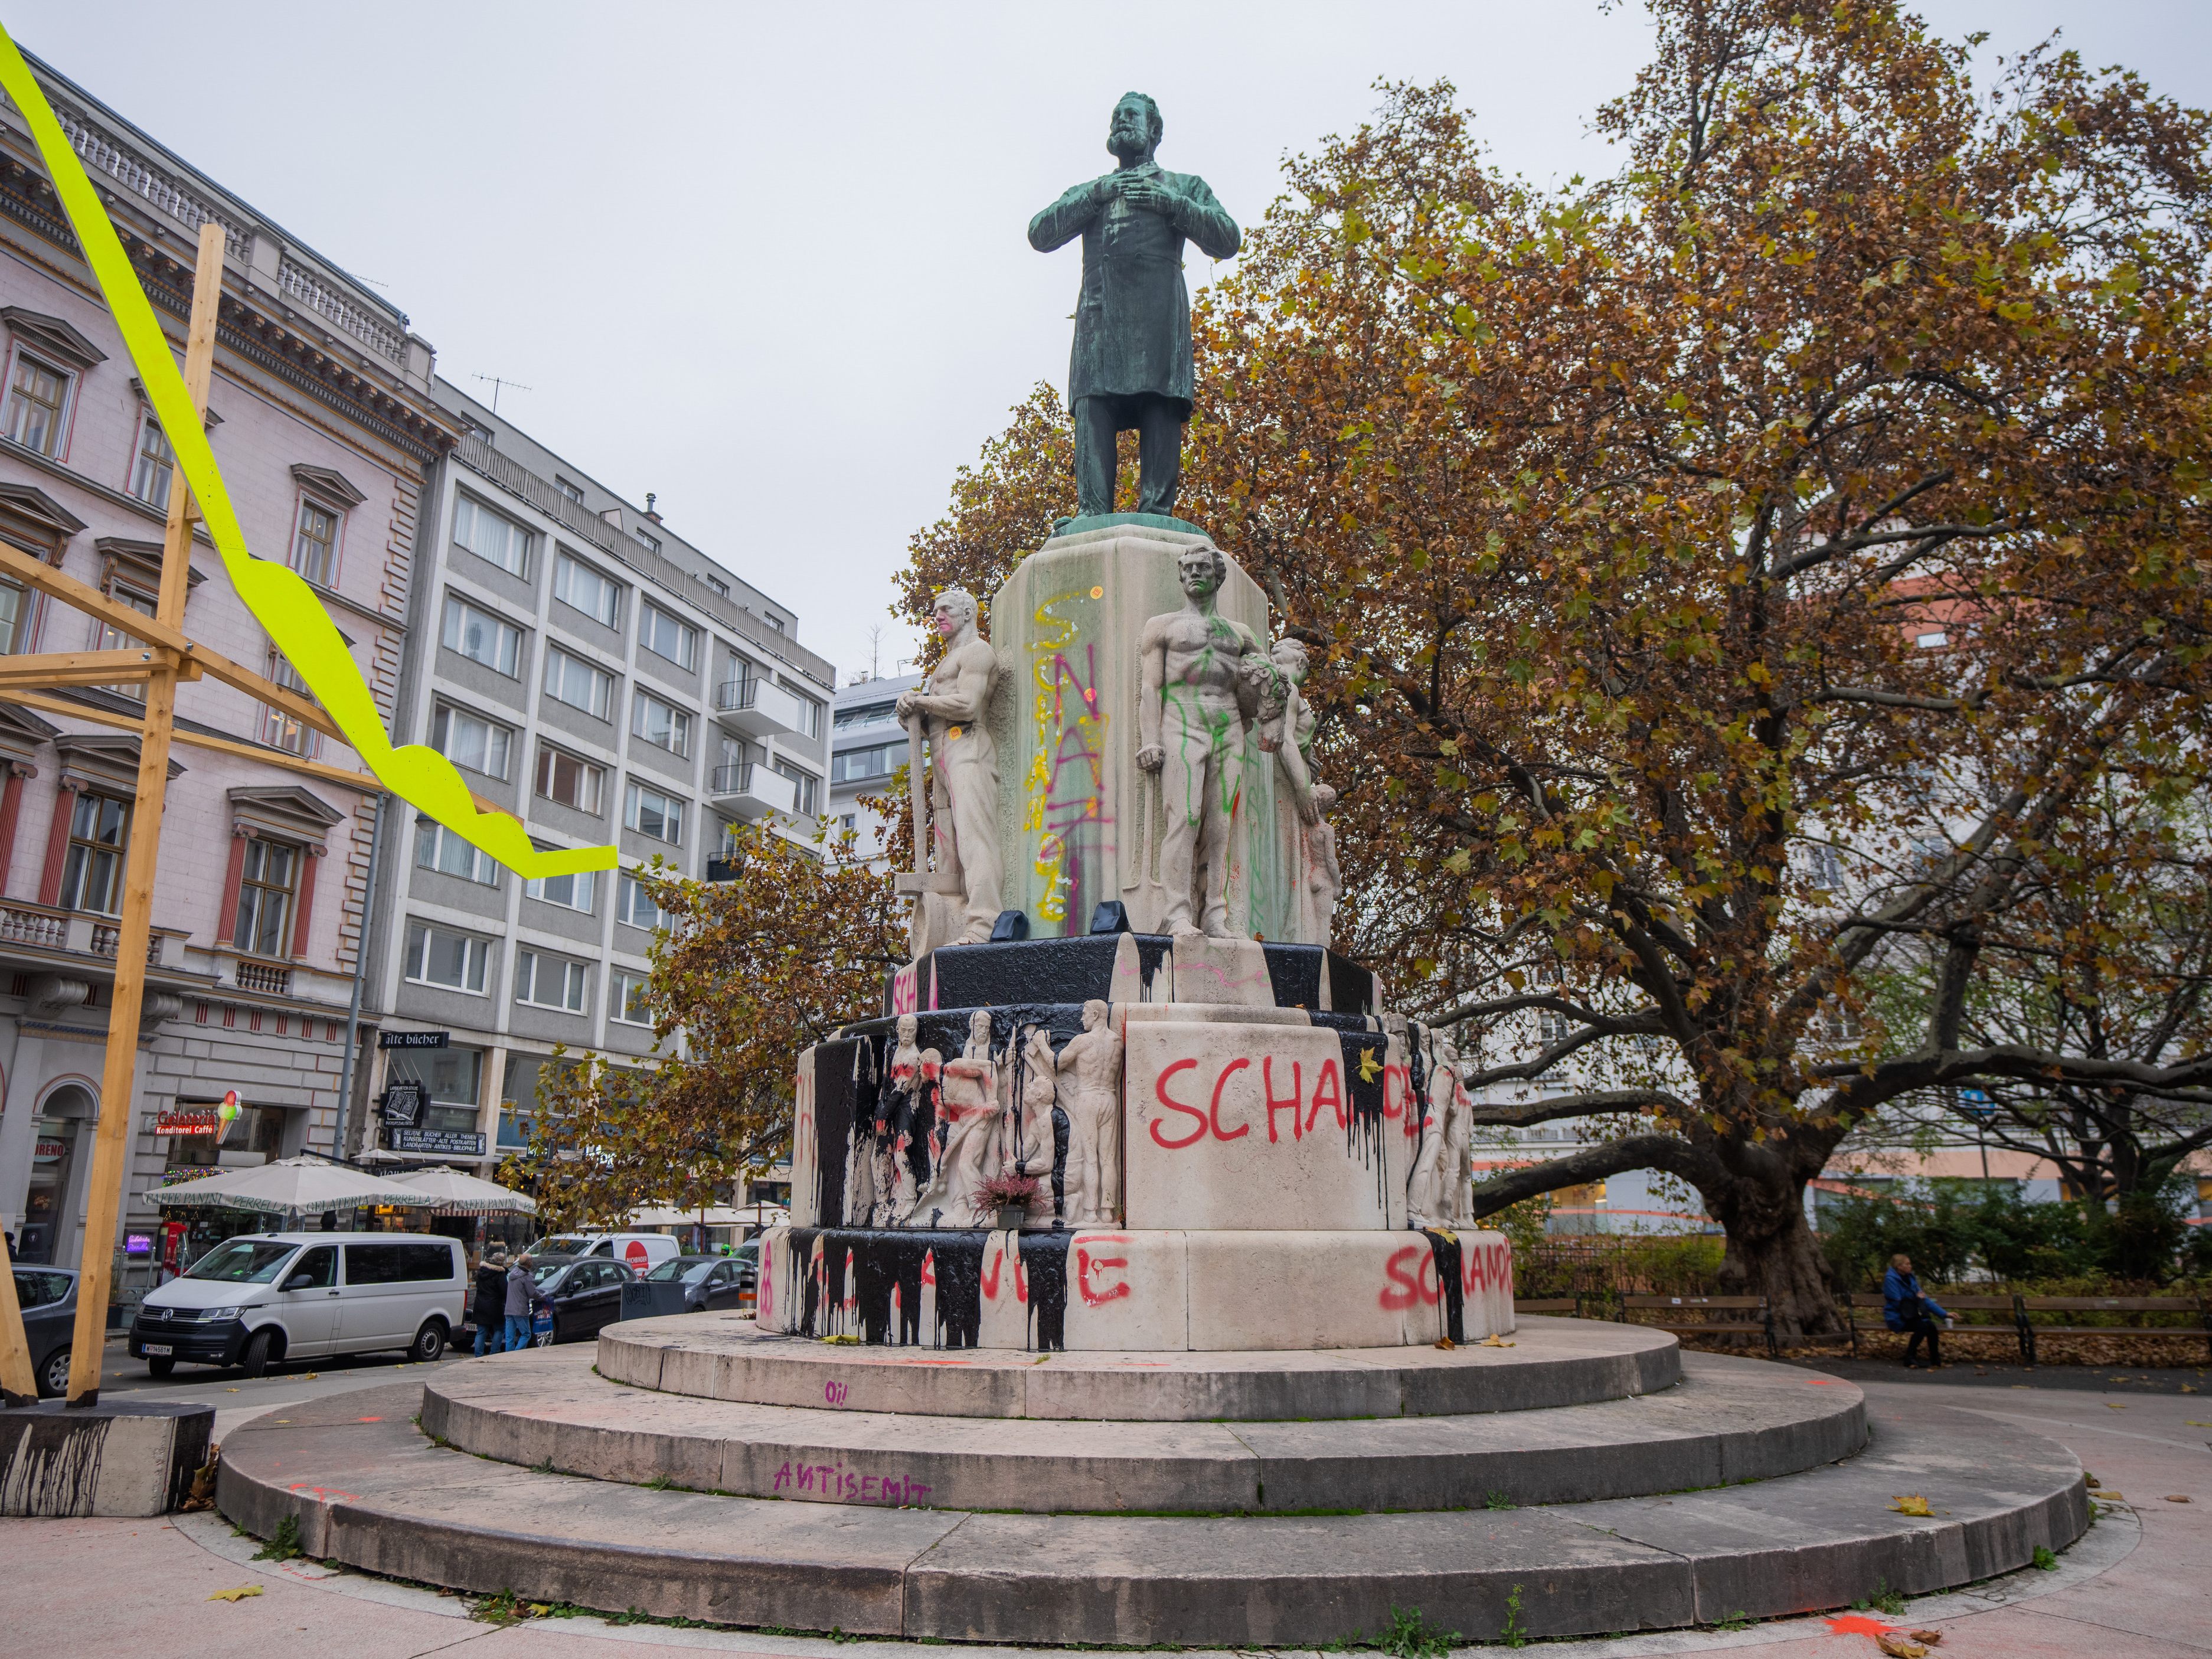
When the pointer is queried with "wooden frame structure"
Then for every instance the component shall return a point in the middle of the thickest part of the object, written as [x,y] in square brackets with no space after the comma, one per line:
[167,657]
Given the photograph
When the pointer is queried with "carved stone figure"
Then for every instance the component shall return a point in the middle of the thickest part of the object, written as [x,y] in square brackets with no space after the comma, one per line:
[970,1100]
[1320,883]
[959,818]
[1203,678]
[1091,1093]
[899,1118]
[1440,1192]
[1131,367]
[1032,1138]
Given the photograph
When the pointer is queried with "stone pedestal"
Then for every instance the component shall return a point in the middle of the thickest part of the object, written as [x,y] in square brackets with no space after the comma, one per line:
[1078,823]
[120,1458]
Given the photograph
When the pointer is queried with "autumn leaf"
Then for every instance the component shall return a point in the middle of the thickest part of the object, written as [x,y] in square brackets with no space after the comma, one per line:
[1913,1505]
[237,1595]
[1897,1645]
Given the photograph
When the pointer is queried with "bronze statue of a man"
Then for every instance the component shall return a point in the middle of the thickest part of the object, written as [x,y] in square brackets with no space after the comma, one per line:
[1131,367]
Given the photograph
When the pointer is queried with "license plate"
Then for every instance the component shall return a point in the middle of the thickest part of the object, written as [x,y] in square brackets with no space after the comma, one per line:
[152,1348]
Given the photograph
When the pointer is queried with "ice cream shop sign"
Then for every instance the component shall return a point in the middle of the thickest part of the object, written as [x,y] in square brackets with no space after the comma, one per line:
[188,1120]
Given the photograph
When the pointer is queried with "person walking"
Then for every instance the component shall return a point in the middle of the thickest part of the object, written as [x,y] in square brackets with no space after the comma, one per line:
[492,1303]
[521,1297]
[1905,1307]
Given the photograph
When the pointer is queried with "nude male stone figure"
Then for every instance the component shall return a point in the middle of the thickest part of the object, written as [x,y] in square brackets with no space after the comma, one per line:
[1202,678]
[1091,1094]
[963,770]
[970,1100]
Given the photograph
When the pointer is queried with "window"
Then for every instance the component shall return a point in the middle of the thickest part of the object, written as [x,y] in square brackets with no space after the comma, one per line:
[574,492]
[849,821]
[437,847]
[481,637]
[576,682]
[809,716]
[281,729]
[452,1077]
[653,814]
[807,783]
[716,584]
[1930,640]
[1551,1026]
[315,542]
[493,538]
[399,1264]
[866,713]
[105,636]
[469,740]
[627,1003]
[776,622]
[152,466]
[650,544]
[454,961]
[855,764]
[571,892]
[633,905]
[580,588]
[661,724]
[570,781]
[666,636]
[265,897]
[11,614]
[37,400]
[549,981]
[92,879]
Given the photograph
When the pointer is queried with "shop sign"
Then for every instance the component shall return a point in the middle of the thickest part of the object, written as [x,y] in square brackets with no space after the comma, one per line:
[413,1039]
[137,1244]
[50,1149]
[188,1120]
[450,1142]
[402,1104]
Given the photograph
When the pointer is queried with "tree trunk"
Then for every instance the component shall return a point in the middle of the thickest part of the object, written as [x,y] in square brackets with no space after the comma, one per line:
[1780,1259]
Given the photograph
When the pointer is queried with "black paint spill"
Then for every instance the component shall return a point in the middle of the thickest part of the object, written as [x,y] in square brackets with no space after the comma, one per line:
[835,1089]
[1044,1267]
[1366,1057]
[1294,972]
[1350,988]
[1444,1248]
[881,1260]
[1329,1020]
[1151,950]
[1026,970]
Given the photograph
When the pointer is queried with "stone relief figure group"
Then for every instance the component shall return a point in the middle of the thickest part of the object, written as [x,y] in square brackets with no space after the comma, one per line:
[942,1129]
[1207,682]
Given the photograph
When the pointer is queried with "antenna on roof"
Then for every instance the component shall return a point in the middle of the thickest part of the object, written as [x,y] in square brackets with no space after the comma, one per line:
[496,383]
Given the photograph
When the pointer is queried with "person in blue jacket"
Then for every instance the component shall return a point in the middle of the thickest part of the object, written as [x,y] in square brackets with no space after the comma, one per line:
[1905,1308]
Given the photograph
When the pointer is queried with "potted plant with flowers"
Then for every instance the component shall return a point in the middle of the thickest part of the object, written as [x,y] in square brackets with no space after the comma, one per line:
[1011,1194]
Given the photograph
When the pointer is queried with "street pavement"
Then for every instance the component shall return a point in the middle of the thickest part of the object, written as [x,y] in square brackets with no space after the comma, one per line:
[236,1396]
[2139,1586]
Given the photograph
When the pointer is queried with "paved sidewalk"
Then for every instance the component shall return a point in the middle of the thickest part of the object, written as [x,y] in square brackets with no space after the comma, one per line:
[2138,1586]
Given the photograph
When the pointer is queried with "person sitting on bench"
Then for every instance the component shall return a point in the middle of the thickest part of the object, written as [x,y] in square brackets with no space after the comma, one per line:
[1905,1308]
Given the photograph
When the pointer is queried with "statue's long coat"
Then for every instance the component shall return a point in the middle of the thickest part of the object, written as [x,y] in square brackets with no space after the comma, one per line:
[1133,321]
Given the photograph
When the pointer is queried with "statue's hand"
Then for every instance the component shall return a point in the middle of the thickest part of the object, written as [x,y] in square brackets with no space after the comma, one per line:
[905,705]
[1148,194]
[1309,810]
[1152,757]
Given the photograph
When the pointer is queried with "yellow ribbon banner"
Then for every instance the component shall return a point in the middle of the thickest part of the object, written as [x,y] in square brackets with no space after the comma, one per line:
[283,603]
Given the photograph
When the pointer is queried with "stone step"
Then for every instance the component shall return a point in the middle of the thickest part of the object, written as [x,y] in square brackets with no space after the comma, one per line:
[1729,1420]
[367,1489]
[1551,1362]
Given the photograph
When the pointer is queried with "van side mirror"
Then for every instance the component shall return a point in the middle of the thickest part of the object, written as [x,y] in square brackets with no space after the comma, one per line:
[300,1282]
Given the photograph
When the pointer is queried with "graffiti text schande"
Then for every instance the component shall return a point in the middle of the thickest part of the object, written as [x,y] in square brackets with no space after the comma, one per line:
[834,1483]
[1411,1272]
[1223,1105]
[1066,788]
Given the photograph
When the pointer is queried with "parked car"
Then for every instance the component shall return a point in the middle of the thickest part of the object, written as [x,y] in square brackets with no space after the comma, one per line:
[710,1282]
[47,1296]
[260,1297]
[586,1292]
[642,1251]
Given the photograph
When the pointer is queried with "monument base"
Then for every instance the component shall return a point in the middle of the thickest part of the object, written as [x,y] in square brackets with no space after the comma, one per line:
[120,1458]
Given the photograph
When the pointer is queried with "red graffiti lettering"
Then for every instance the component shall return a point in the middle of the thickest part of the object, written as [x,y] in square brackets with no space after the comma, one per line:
[1328,1090]
[1431,1290]
[1219,1084]
[1397,1091]
[929,1268]
[991,1273]
[1160,1092]
[1021,1278]
[1472,1269]
[1400,1292]
[1099,1295]
[1277,1102]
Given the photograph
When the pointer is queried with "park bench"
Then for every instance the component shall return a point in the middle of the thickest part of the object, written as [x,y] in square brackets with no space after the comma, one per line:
[2195,1309]
[1726,1318]
[1964,1308]
[1569,1305]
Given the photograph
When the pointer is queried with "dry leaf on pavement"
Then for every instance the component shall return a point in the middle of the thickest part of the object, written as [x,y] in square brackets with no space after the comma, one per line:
[237,1595]
[1914,1504]
[2176,1498]
[1934,1638]
[1897,1645]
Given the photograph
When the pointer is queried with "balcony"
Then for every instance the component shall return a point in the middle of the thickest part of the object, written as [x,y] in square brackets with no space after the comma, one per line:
[758,708]
[752,792]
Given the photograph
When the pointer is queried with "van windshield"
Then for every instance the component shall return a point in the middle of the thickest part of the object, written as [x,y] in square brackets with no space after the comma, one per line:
[243,1262]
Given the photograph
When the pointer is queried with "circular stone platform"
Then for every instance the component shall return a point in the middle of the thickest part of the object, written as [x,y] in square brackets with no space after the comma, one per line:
[1546,1362]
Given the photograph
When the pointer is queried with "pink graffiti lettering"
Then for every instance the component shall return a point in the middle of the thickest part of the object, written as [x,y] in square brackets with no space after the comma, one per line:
[1160,1091]
[835,1393]
[1220,1083]
[1276,1103]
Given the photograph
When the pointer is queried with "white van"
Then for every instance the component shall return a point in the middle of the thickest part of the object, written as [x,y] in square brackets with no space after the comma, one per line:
[643,1251]
[264,1296]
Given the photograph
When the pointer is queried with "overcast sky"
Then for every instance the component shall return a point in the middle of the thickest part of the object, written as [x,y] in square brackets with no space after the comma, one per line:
[769,261]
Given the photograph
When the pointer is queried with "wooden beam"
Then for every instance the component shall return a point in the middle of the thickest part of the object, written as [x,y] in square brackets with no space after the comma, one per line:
[18,1385]
[135,624]
[134,924]
[56,668]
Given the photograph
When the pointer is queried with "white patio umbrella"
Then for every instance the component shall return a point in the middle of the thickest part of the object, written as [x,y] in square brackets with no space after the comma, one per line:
[453,1193]
[291,1186]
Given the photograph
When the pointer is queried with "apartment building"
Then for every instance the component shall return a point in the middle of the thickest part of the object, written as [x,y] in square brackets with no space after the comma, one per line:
[595,673]
[867,746]
[322,418]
